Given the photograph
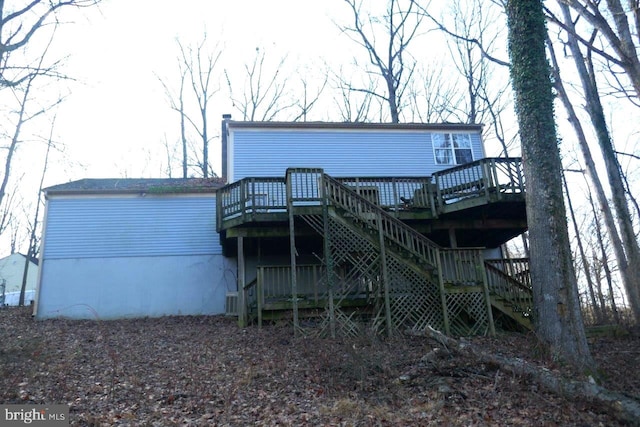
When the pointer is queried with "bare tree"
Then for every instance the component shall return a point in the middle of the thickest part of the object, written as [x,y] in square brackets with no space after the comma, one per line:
[353,106]
[21,93]
[630,259]
[265,95]
[619,49]
[474,35]
[19,25]
[32,247]
[558,317]
[309,95]
[177,104]
[197,85]
[390,59]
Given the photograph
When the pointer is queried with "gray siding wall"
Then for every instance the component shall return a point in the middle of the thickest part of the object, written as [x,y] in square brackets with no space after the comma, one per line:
[343,153]
[111,288]
[131,226]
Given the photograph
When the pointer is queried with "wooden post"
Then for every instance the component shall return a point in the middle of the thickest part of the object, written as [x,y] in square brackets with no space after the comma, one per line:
[260,294]
[453,241]
[242,307]
[328,259]
[385,276]
[292,250]
[443,296]
[487,295]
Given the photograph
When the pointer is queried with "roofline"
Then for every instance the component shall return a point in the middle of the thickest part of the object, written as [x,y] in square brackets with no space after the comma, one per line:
[151,191]
[355,126]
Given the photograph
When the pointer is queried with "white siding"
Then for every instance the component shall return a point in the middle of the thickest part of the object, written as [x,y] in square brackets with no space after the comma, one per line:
[344,153]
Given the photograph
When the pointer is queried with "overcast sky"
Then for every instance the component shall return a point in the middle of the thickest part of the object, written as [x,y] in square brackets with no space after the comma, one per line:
[118,108]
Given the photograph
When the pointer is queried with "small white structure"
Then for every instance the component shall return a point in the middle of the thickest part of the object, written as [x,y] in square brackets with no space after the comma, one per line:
[11,275]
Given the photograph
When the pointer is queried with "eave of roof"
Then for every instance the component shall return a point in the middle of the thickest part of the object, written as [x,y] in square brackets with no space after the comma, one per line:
[355,126]
[137,185]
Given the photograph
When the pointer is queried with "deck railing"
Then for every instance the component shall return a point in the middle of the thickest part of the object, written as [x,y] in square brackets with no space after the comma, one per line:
[509,279]
[517,268]
[393,193]
[479,178]
[462,266]
[251,196]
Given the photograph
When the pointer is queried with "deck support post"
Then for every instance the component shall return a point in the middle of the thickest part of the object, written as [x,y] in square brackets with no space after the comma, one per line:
[487,296]
[443,295]
[242,305]
[385,276]
[292,250]
[328,259]
[453,240]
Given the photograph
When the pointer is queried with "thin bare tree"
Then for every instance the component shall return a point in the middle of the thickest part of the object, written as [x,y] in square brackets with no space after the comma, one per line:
[619,28]
[32,247]
[197,86]
[265,94]
[22,23]
[389,58]
[586,73]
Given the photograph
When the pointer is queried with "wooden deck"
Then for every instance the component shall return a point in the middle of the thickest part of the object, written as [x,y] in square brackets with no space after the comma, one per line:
[376,246]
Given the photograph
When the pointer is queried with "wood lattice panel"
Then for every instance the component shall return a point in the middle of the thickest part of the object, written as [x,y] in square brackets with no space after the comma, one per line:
[414,298]
[356,262]
[467,313]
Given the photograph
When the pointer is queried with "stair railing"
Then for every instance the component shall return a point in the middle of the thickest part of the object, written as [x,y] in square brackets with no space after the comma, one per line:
[393,229]
[504,286]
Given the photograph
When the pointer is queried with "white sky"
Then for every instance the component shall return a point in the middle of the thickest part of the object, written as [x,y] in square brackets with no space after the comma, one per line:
[120,108]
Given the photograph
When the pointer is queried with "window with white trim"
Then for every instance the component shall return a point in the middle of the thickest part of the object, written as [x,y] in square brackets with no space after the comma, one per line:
[452,148]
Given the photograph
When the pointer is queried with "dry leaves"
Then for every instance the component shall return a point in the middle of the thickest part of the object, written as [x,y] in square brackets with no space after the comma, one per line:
[207,371]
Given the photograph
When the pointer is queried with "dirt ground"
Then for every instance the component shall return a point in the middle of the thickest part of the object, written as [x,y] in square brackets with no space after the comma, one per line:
[206,371]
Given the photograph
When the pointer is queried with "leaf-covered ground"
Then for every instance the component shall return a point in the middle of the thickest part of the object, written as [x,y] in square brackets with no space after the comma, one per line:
[207,371]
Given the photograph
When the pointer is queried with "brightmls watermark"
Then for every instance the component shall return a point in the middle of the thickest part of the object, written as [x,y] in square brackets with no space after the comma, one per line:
[36,415]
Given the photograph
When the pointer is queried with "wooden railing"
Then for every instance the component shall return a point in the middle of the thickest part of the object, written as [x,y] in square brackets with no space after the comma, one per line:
[516,268]
[480,178]
[393,229]
[392,193]
[510,280]
[274,282]
[461,266]
[249,196]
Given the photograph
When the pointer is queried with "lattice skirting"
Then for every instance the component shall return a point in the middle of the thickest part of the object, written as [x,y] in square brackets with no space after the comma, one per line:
[467,313]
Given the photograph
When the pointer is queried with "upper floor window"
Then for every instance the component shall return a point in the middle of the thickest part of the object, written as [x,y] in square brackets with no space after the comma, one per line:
[452,148]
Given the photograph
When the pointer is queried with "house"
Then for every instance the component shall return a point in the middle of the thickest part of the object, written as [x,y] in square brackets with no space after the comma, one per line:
[392,225]
[117,248]
[12,270]
[331,225]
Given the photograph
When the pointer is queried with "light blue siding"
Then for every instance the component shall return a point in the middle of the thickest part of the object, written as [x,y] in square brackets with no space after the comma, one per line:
[262,153]
[110,288]
[103,227]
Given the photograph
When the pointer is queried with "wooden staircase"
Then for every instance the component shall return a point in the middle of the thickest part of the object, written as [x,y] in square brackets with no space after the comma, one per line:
[459,288]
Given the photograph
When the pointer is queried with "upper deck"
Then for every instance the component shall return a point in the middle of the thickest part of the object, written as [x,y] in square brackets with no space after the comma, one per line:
[485,198]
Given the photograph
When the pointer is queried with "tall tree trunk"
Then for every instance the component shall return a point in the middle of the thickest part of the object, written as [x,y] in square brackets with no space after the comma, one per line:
[557,305]
[629,269]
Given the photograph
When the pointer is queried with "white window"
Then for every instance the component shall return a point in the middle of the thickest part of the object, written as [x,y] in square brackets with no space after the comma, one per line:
[452,148]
